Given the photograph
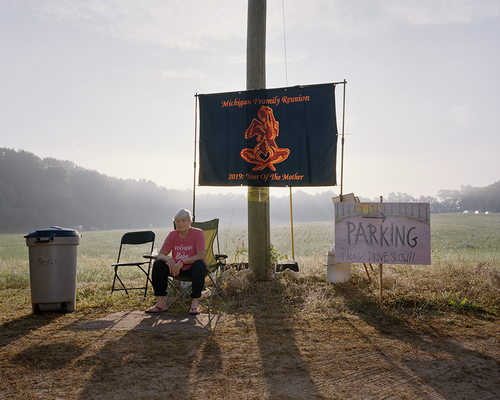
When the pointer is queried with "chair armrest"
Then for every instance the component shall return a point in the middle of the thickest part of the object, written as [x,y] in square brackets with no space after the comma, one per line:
[150,256]
[129,263]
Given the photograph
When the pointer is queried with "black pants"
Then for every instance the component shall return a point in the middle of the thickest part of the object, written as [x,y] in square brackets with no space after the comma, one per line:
[161,272]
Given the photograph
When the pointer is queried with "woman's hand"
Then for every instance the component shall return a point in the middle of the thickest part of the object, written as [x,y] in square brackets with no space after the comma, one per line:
[170,262]
[174,270]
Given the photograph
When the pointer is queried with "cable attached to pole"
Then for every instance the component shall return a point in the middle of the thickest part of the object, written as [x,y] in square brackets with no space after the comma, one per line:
[284,42]
[195,144]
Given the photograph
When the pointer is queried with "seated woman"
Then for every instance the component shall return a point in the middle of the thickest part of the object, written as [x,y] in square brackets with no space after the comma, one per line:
[187,245]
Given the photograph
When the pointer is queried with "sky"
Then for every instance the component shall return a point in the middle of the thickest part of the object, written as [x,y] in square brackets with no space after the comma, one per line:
[110,84]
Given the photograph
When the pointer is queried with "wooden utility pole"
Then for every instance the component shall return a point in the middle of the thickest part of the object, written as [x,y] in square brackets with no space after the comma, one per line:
[259,226]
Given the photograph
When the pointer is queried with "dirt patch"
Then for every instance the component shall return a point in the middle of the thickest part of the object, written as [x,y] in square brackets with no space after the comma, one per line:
[251,355]
[162,322]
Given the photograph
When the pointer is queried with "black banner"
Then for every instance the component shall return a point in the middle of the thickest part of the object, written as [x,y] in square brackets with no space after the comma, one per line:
[269,137]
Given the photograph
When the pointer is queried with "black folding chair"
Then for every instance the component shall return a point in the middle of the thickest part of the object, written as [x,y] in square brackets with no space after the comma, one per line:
[134,239]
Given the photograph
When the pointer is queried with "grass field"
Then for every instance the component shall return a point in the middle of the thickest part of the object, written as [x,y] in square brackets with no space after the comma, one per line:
[434,335]
[459,241]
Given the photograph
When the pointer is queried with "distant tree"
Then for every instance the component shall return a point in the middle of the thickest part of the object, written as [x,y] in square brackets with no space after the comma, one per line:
[450,200]
[484,199]
[36,193]
[8,212]
[492,197]
[401,198]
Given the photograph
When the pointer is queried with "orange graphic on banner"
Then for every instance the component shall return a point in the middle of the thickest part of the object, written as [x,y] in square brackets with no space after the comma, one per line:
[266,152]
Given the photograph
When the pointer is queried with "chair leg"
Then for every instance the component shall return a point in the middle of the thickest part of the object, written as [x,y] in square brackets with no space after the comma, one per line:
[215,288]
[148,279]
[113,285]
[114,279]
[178,293]
[117,277]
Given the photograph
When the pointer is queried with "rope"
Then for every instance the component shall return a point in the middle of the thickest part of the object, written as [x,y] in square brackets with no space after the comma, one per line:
[284,42]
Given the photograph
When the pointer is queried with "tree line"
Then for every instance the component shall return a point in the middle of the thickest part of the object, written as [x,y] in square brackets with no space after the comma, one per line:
[468,198]
[38,193]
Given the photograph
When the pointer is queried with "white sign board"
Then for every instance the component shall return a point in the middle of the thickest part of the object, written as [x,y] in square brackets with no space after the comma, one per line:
[383,233]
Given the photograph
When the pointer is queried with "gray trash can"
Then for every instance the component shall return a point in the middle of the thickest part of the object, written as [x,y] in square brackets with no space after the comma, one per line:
[53,259]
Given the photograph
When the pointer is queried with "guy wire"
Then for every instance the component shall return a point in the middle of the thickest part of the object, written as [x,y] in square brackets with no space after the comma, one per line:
[284,42]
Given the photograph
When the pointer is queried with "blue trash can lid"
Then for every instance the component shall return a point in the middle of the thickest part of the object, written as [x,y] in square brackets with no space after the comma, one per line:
[52,232]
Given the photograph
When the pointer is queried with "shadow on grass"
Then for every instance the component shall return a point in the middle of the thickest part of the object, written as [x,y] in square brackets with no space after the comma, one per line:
[22,326]
[51,356]
[281,365]
[107,363]
[175,364]
[146,362]
[443,359]
[185,363]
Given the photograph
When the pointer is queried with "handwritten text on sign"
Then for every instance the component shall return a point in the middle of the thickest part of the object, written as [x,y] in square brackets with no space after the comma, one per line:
[383,233]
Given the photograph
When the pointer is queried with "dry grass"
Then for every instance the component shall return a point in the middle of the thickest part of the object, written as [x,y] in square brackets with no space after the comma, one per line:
[407,291]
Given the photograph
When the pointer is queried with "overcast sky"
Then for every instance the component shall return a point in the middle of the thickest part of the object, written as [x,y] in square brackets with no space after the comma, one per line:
[111,84]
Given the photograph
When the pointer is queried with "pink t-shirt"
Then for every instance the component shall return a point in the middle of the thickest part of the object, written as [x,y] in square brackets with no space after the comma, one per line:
[184,248]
